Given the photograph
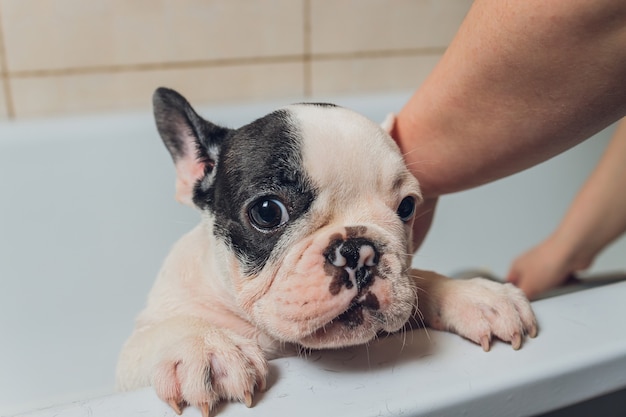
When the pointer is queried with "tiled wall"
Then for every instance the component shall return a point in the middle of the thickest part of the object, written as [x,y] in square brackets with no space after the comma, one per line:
[75,56]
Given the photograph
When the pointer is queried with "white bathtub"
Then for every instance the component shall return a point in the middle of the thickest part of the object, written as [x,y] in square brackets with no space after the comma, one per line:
[87,214]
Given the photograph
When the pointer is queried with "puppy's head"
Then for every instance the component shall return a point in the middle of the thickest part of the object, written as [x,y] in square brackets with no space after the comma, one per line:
[311,210]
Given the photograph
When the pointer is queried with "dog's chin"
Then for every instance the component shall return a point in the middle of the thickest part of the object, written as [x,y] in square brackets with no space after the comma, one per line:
[356,326]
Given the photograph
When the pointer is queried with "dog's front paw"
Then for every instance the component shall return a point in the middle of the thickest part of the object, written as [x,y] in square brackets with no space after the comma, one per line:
[479,309]
[203,369]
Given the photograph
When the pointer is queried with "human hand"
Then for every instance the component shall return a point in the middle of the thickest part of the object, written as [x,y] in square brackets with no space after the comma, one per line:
[544,267]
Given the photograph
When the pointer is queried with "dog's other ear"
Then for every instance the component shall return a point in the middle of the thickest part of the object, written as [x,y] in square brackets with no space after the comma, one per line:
[193,142]
[389,123]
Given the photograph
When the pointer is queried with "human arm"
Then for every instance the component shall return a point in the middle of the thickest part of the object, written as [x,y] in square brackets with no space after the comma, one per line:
[521,82]
[596,217]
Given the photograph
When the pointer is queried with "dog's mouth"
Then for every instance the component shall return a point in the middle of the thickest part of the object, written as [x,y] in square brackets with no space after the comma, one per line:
[360,322]
[354,315]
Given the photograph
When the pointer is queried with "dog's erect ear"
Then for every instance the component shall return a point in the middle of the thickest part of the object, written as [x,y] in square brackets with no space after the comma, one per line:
[193,142]
[389,123]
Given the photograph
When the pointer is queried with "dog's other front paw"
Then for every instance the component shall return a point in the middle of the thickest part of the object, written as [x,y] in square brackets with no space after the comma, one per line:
[201,370]
[477,309]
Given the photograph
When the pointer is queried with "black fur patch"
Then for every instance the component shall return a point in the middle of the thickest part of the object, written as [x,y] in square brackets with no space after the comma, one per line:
[260,159]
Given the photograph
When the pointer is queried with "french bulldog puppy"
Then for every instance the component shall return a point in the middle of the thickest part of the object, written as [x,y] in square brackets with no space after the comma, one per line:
[304,242]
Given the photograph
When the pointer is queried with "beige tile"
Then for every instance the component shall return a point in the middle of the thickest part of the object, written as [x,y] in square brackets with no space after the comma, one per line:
[361,75]
[347,26]
[4,113]
[72,94]
[59,34]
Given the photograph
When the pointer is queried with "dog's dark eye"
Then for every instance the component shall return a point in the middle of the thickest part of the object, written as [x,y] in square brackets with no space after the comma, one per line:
[406,209]
[268,213]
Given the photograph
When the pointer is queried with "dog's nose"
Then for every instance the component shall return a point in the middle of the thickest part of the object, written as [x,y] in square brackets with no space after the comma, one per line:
[357,256]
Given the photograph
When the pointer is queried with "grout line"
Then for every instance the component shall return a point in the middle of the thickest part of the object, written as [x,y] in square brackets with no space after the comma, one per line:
[332,56]
[4,74]
[383,53]
[155,66]
[307,62]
